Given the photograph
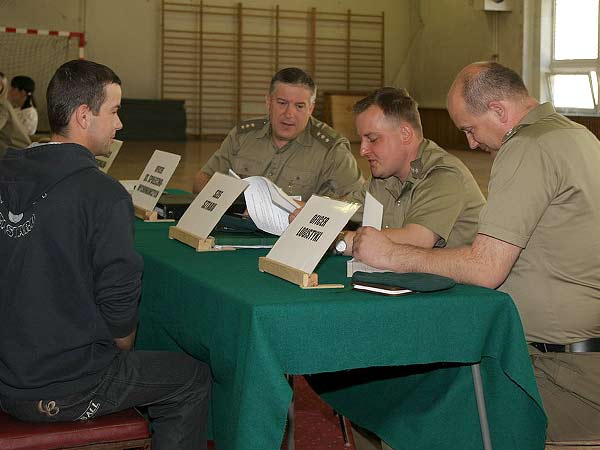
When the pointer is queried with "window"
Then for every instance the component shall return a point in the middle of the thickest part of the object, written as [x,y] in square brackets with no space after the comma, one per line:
[575,63]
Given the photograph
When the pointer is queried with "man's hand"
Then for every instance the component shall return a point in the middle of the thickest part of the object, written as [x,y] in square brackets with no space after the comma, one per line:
[373,247]
[126,343]
[293,215]
[487,262]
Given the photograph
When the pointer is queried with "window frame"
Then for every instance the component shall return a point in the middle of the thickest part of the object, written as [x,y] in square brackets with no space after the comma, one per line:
[574,67]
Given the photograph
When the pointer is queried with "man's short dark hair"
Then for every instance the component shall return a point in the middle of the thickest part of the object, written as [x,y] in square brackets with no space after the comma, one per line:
[295,76]
[76,83]
[396,104]
[492,82]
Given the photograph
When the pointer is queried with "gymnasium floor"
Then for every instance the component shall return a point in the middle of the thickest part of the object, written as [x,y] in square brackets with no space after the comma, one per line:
[134,155]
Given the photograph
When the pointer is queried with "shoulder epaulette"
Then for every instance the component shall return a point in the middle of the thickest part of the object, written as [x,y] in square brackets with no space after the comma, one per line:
[324,133]
[252,124]
[416,168]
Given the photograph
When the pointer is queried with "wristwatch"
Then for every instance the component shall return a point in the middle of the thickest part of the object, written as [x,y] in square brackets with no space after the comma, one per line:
[339,245]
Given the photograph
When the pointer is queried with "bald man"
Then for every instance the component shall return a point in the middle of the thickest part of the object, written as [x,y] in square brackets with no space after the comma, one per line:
[537,238]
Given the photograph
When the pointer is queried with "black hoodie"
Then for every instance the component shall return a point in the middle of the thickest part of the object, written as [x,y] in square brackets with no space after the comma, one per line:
[70,278]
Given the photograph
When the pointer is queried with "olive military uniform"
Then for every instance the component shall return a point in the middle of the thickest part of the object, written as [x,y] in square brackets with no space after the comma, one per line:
[12,132]
[318,161]
[544,197]
[440,194]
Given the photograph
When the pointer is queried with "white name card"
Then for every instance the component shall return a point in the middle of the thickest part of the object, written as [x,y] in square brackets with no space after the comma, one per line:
[154,179]
[372,217]
[373,212]
[210,204]
[105,161]
[308,237]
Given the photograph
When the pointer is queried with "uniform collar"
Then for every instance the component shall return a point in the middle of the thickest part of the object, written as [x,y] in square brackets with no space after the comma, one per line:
[417,165]
[304,138]
[533,116]
[537,113]
[396,187]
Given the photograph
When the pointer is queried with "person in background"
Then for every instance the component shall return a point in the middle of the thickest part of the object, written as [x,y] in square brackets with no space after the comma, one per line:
[12,132]
[20,96]
[298,153]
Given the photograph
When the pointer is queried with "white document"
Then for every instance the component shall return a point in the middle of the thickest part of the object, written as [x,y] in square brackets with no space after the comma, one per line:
[372,217]
[210,204]
[234,175]
[309,236]
[154,179]
[281,199]
[226,246]
[381,290]
[354,265]
[268,206]
[373,212]
[105,161]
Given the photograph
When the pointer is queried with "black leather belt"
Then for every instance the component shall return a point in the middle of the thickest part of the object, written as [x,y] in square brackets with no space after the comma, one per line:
[589,345]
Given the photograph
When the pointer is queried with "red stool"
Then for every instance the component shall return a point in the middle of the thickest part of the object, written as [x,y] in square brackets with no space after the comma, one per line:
[119,431]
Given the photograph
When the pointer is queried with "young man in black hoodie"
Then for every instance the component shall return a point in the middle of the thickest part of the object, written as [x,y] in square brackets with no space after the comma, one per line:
[71,279]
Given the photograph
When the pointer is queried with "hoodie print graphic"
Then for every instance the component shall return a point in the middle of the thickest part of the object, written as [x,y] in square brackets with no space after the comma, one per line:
[16,226]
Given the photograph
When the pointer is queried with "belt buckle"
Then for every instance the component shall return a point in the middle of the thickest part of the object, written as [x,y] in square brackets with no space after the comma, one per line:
[586,346]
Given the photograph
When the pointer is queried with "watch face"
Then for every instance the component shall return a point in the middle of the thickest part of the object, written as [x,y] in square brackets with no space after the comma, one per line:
[340,246]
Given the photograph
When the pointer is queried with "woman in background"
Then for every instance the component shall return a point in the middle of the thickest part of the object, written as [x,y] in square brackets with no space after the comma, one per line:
[20,95]
[12,132]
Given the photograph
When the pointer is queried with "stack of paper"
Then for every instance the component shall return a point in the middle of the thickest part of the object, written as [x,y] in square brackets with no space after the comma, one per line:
[267,204]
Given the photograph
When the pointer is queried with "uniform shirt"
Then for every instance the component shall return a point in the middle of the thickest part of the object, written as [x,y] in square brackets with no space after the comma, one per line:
[440,194]
[12,133]
[544,196]
[318,161]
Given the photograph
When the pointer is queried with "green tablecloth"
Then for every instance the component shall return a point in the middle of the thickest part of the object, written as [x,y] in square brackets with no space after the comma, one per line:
[253,328]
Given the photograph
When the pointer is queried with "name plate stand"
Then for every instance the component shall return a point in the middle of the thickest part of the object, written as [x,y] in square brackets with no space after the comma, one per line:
[148,216]
[291,274]
[152,183]
[204,213]
[144,214]
[198,243]
[304,242]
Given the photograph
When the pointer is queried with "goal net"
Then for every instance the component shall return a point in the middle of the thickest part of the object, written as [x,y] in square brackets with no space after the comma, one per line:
[37,54]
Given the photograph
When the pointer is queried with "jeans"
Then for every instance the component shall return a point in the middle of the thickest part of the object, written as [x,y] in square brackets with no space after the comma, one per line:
[174,386]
